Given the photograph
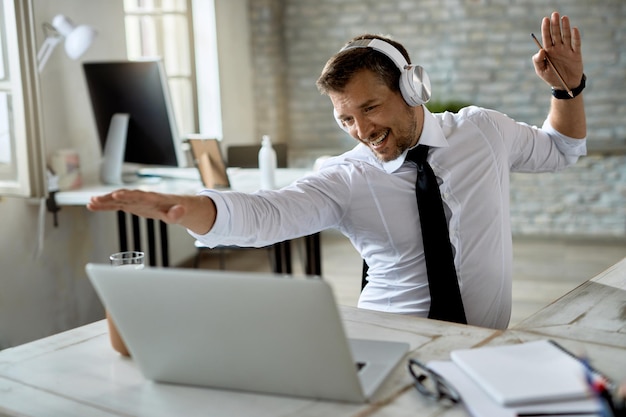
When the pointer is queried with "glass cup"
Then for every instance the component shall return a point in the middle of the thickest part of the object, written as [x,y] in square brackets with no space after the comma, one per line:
[128,259]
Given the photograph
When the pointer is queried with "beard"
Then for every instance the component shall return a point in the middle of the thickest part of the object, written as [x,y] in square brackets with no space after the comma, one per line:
[405,137]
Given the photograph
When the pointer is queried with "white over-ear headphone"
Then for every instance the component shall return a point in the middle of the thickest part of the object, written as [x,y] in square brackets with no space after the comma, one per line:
[414,81]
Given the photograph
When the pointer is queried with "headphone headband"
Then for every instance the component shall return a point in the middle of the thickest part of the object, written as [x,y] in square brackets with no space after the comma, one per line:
[380,46]
[414,81]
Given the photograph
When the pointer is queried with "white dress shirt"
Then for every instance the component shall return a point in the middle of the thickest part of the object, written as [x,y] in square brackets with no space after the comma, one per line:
[374,205]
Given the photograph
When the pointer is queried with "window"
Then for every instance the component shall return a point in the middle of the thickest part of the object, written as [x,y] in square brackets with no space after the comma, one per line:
[22,164]
[164,28]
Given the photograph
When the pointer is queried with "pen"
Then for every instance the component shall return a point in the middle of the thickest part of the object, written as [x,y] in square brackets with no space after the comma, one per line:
[596,376]
[600,384]
[569,92]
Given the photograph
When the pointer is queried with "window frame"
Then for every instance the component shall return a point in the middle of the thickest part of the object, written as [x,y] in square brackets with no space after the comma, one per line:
[184,127]
[26,175]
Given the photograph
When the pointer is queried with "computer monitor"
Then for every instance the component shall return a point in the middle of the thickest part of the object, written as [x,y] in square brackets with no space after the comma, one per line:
[134,116]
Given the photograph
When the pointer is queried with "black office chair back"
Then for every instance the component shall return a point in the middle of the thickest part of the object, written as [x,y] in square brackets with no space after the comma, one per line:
[247,156]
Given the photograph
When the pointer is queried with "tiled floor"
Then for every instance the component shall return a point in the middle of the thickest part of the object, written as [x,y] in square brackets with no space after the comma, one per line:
[543,269]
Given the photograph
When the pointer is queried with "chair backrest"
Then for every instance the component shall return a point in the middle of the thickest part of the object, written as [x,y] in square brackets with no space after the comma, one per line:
[247,156]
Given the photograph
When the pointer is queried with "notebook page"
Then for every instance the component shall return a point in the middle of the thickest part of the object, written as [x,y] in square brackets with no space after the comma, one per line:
[526,373]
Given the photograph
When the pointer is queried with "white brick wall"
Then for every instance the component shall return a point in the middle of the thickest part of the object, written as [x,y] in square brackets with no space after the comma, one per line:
[477,51]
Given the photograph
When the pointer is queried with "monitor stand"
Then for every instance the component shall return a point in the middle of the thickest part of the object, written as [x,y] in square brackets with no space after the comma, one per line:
[114,149]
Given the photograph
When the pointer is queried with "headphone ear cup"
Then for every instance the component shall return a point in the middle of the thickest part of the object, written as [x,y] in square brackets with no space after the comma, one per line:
[415,85]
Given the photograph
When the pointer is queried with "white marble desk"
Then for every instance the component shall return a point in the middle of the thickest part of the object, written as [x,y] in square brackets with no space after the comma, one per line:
[590,320]
[241,179]
[76,373]
[595,311]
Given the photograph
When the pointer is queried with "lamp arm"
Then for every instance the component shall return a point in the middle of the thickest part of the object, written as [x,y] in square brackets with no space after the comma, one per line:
[46,50]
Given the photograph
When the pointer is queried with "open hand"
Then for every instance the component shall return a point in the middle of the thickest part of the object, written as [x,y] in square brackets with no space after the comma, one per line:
[196,213]
[563,45]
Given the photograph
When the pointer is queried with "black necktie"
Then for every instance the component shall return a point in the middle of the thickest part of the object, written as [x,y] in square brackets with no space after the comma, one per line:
[445,296]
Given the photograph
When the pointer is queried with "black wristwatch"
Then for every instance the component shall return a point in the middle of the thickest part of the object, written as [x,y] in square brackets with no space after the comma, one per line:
[562,94]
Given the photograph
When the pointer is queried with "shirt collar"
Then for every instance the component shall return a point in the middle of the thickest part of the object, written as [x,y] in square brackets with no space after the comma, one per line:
[432,135]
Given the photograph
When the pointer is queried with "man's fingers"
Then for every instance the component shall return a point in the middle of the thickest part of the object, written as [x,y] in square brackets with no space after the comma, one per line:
[576,40]
[555,29]
[566,31]
[546,36]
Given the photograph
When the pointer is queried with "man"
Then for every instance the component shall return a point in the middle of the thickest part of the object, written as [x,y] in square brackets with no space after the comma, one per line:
[368,193]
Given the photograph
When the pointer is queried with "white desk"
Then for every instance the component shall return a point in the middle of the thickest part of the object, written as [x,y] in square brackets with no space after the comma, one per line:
[244,180]
[241,179]
[76,373]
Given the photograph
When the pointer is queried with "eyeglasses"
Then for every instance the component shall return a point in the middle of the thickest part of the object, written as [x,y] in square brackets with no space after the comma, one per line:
[432,385]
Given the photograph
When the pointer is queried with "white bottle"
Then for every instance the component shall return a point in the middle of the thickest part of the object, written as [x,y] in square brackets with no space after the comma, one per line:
[267,164]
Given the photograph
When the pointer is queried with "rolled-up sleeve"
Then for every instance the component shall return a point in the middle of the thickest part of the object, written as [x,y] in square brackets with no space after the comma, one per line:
[247,219]
[571,148]
[221,227]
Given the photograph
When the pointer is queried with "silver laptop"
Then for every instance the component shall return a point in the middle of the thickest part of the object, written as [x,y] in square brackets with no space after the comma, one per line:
[242,331]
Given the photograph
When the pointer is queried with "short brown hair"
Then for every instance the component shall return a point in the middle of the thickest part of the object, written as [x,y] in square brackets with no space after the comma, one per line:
[340,68]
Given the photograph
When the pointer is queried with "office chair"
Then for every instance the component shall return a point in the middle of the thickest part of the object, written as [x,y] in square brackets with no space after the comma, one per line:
[247,156]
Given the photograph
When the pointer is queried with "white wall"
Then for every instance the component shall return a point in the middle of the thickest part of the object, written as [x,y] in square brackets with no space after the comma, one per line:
[49,293]
[67,113]
[235,69]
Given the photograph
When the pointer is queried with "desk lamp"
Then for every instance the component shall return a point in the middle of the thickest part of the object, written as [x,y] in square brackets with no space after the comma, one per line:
[77,39]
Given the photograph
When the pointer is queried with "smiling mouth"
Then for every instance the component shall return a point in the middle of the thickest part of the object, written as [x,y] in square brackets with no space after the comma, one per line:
[379,140]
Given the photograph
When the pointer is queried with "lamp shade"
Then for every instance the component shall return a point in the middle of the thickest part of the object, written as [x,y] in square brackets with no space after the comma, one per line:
[77,39]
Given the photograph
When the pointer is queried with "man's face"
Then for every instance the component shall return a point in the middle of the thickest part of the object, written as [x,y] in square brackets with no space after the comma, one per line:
[377,116]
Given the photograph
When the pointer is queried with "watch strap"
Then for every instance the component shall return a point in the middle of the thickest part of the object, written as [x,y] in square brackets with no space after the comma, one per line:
[563,94]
